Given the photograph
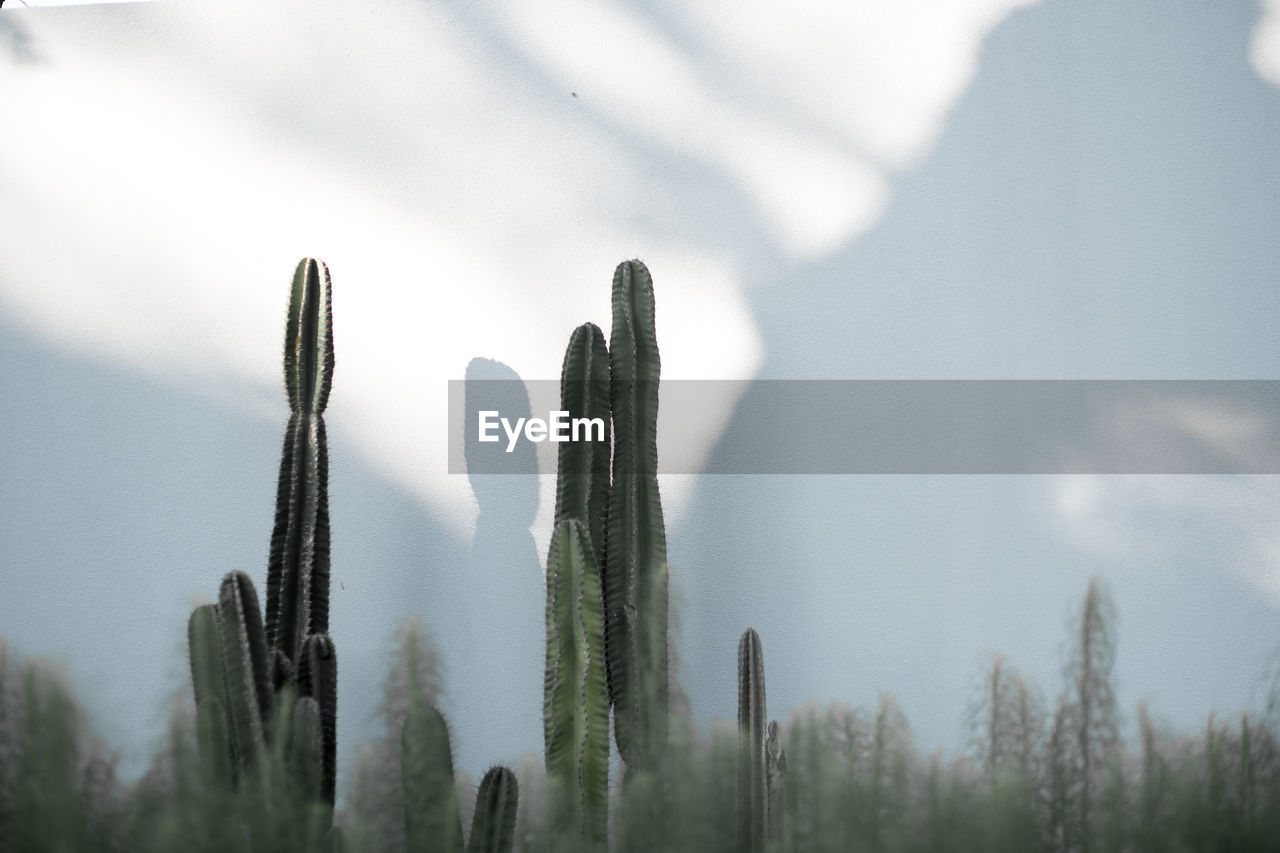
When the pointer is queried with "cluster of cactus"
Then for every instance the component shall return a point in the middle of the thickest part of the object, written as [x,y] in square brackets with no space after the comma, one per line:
[259,684]
[606,569]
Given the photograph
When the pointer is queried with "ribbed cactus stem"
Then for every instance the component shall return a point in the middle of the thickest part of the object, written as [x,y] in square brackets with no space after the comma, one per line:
[298,571]
[752,802]
[493,827]
[582,472]
[575,702]
[318,679]
[432,823]
[635,540]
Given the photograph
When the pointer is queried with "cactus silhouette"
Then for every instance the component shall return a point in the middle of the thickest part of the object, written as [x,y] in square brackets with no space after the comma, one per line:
[635,573]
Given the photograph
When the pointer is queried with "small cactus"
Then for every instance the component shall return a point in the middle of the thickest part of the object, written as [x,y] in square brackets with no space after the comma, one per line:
[493,827]
[752,802]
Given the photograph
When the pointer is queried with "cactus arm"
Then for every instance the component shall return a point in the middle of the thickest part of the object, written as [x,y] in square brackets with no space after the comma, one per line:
[751,734]
[308,341]
[318,679]
[576,702]
[582,481]
[493,827]
[238,602]
[431,815]
[635,563]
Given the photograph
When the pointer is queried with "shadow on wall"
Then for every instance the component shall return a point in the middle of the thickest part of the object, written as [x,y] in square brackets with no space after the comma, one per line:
[123,501]
[15,43]
[498,691]
[1102,204]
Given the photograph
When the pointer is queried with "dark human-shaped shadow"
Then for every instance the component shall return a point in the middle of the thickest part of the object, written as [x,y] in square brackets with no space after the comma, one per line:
[498,692]
[1101,203]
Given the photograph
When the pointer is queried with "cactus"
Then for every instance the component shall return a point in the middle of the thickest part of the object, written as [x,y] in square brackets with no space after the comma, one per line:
[493,827]
[239,665]
[576,702]
[752,802]
[431,815]
[635,539]
[775,775]
[298,570]
[582,474]
[318,680]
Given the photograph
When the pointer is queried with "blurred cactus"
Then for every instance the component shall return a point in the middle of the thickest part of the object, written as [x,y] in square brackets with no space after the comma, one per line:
[635,574]
[431,815]
[582,474]
[576,701]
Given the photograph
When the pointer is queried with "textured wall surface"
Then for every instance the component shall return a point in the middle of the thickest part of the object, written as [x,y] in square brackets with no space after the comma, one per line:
[968,189]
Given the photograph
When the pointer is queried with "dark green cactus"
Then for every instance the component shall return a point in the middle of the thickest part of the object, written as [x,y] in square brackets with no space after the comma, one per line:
[576,700]
[318,680]
[248,695]
[752,802]
[635,540]
[431,815]
[298,570]
[582,475]
[239,666]
[493,827]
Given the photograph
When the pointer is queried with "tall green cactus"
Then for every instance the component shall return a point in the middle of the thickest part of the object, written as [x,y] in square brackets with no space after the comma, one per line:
[493,827]
[432,822]
[752,801]
[575,701]
[298,570]
[582,474]
[238,664]
[635,541]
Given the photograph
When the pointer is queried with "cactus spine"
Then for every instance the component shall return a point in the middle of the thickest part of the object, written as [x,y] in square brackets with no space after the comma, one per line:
[635,541]
[752,802]
[493,827]
[576,700]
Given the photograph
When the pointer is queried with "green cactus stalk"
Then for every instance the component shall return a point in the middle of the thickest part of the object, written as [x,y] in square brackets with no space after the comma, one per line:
[318,680]
[635,540]
[298,570]
[752,802]
[493,827]
[576,701]
[582,474]
[775,773]
[431,818]
[248,695]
